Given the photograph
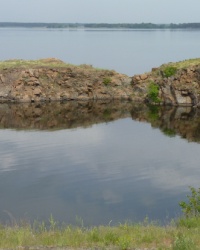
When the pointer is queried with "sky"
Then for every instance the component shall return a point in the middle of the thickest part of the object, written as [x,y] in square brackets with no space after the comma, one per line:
[98,11]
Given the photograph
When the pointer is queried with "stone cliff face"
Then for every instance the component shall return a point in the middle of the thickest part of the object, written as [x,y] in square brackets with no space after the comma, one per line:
[178,83]
[35,83]
[51,80]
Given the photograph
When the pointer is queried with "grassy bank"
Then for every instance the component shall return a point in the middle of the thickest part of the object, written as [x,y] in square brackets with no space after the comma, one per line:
[183,234]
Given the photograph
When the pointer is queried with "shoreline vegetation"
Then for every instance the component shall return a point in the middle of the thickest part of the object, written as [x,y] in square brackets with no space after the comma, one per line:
[100,25]
[180,234]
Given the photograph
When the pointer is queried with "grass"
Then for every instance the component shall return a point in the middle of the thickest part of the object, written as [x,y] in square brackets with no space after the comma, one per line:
[107,81]
[183,64]
[15,63]
[184,234]
[48,62]
[169,71]
[153,92]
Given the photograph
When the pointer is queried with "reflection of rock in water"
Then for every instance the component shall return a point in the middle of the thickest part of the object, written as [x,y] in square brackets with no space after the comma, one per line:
[57,115]
[184,121]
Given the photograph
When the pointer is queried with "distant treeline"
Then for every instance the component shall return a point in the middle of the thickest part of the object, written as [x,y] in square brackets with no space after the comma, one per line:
[101,25]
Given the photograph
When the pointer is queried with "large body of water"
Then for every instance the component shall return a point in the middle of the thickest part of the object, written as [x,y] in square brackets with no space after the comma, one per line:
[128,51]
[100,162]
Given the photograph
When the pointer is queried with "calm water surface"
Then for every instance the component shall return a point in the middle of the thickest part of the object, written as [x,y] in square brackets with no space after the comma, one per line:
[103,162]
[129,51]
[98,162]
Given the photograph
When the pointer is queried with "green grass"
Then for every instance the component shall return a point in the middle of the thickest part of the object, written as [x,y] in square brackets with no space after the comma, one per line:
[180,235]
[107,81]
[15,63]
[169,71]
[182,64]
[48,62]
[153,92]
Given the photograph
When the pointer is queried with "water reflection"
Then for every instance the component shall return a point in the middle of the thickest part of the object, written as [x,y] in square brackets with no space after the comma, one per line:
[183,121]
[82,159]
[55,116]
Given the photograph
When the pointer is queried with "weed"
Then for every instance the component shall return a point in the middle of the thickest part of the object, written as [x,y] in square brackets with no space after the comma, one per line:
[107,80]
[94,235]
[192,208]
[125,236]
[153,92]
[183,243]
[52,222]
[111,238]
[191,222]
[124,243]
[169,71]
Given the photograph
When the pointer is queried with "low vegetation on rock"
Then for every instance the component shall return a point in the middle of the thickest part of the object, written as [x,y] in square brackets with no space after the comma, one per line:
[51,79]
[179,83]
[153,93]
[169,71]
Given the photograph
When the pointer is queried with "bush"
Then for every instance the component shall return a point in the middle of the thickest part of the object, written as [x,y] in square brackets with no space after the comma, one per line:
[107,80]
[153,92]
[192,208]
[169,71]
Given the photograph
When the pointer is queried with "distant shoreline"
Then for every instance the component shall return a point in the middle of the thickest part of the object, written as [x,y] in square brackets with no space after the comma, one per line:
[100,25]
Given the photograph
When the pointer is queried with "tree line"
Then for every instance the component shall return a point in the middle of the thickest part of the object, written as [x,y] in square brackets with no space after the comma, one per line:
[100,25]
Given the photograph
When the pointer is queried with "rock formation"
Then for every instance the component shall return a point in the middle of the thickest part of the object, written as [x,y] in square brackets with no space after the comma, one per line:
[178,83]
[52,80]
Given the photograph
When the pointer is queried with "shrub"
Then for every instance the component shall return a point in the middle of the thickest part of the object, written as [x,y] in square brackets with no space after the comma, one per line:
[192,208]
[153,92]
[106,80]
[169,71]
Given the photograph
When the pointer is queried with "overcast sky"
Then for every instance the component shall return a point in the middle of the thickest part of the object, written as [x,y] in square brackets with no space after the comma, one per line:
[91,11]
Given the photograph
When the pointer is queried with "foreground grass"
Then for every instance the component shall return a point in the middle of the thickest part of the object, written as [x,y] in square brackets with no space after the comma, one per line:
[184,234]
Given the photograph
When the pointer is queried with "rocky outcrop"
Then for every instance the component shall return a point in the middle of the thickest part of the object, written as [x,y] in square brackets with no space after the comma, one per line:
[52,80]
[178,83]
[34,83]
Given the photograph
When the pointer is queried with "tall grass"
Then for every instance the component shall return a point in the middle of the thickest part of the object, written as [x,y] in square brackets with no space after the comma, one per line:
[184,234]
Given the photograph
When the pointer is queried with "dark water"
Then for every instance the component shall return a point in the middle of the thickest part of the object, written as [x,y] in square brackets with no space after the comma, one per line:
[100,162]
[129,51]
